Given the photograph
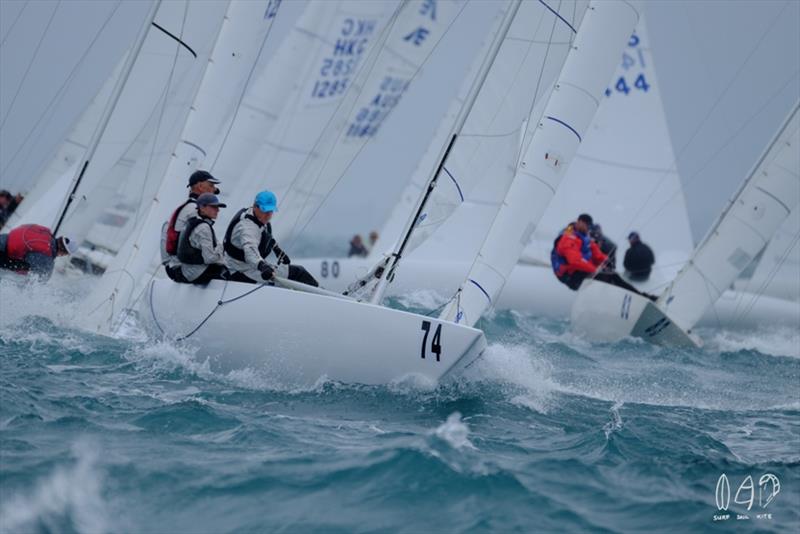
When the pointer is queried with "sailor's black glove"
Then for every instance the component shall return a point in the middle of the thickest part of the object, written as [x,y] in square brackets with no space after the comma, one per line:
[267,272]
[283,258]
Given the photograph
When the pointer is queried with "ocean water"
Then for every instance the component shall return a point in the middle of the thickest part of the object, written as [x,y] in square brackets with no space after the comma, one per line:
[548,432]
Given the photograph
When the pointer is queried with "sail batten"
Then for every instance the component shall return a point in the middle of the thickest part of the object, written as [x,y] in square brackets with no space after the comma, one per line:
[555,140]
[530,56]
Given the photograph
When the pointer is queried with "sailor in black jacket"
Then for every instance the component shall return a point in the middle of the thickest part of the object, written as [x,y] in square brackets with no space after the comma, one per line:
[639,259]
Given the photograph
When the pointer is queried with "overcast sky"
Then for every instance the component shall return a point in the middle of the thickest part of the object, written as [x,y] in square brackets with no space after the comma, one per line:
[729,72]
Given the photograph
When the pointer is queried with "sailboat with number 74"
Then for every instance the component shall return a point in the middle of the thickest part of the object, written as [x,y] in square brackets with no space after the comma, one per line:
[300,333]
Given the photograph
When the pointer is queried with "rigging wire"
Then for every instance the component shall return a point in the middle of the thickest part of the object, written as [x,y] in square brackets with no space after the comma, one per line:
[719,98]
[536,98]
[542,68]
[59,94]
[295,231]
[246,84]
[245,87]
[220,303]
[30,64]
[11,28]
[292,185]
[728,140]
[151,156]
[770,277]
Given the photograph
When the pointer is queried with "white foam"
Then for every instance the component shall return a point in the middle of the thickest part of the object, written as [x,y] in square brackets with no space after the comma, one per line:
[56,300]
[455,432]
[616,420]
[773,341]
[518,367]
[422,298]
[74,492]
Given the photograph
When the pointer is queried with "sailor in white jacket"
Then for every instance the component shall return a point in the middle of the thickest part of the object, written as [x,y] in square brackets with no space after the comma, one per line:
[199,252]
[249,242]
[200,182]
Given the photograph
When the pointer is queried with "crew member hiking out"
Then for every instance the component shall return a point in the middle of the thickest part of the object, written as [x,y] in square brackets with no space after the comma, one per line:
[32,249]
[199,252]
[249,242]
[199,182]
[575,257]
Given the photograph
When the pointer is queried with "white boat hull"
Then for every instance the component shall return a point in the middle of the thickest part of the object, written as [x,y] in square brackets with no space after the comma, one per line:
[299,338]
[533,289]
[603,312]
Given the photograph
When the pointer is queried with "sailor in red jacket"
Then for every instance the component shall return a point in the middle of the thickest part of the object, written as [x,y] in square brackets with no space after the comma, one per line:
[32,248]
[576,256]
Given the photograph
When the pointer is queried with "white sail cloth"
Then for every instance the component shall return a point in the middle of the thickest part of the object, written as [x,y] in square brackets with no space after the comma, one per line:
[570,108]
[232,32]
[624,173]
[754,215]
[481,165]
[384,77]
[51,186]
[292,97]
[160,73]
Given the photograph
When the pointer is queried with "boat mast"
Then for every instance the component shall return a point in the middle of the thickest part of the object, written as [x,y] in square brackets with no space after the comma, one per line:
[106,116]
[395,256]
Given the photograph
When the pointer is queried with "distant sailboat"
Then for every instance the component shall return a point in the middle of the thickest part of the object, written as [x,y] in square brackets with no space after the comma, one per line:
[742,231]
[624,174]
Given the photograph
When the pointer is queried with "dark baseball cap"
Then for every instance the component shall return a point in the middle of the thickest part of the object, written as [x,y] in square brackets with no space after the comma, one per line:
[209,199]
[585,217]
[201,176]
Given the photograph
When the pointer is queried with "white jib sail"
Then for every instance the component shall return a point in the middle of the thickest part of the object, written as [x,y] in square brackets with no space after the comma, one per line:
[385,76]
[234,36]
[294,95]
[605,29]
[477,174]
[624,173]
[774,272]
[755,213]
[51,185]
[159,75]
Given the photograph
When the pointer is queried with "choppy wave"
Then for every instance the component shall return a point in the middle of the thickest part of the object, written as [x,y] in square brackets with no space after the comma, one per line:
[547,431]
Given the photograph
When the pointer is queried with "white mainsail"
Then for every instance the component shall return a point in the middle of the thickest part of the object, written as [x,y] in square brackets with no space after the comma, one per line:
[624,173]
[385,76]
[775,272]
[293,97]
[755,213]
[569,110]
[226,60]
[50,187]
[481,164]
[158,79]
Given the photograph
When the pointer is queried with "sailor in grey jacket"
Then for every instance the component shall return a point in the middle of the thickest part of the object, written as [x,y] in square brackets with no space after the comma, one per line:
[249,242]
[200,254]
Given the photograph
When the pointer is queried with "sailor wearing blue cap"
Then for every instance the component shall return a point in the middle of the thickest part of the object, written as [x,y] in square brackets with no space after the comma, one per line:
[249,243]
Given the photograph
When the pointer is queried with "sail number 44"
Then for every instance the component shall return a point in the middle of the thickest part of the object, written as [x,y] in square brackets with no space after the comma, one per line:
[436,342]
